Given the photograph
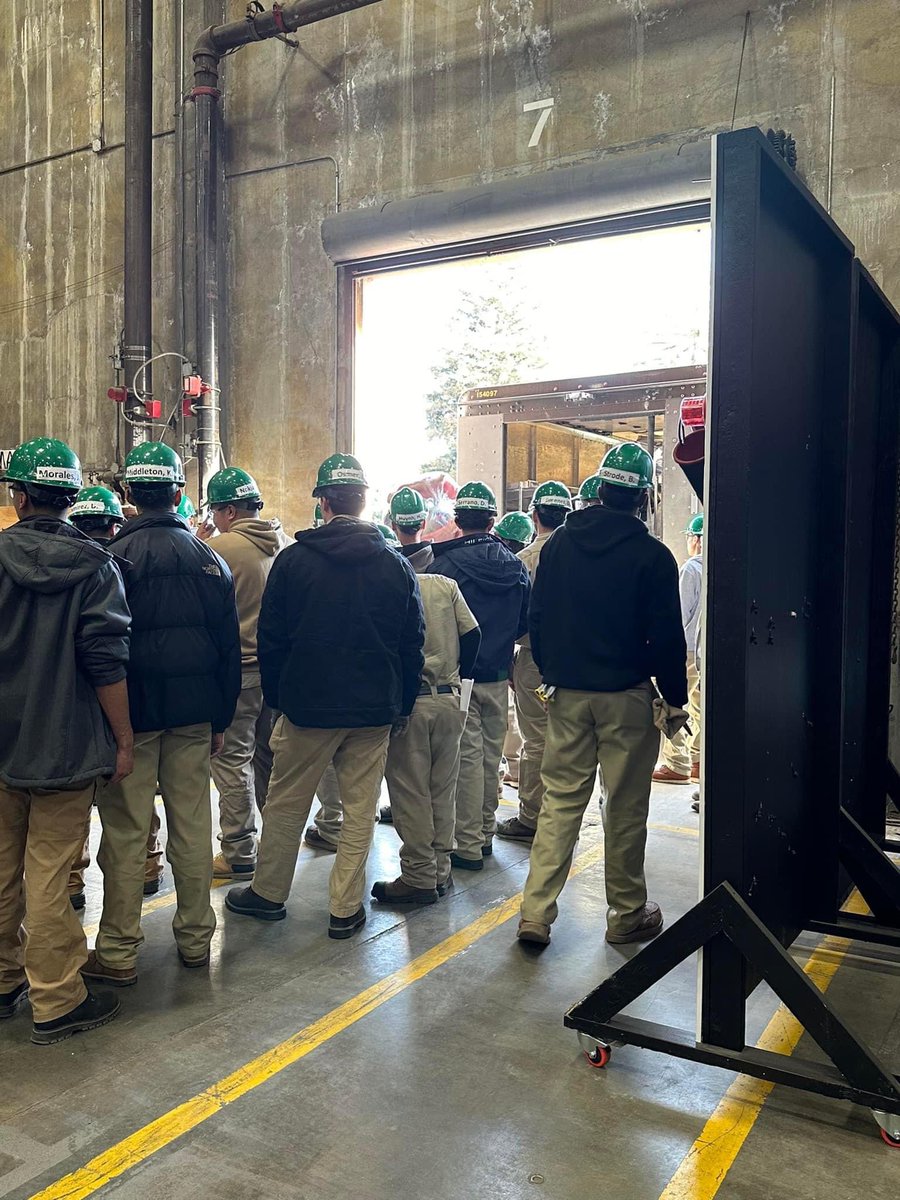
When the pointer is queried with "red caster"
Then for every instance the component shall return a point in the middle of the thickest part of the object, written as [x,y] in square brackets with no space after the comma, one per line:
[893,1142]
[599,1056]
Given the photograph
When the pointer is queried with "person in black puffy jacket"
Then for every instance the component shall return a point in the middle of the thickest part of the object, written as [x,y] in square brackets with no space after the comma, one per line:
[184,678]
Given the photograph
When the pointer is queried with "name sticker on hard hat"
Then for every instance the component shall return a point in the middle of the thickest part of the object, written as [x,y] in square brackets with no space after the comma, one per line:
[84,507]
[58,475]
[245,489]
[613,475]
[150,471]
[346,475]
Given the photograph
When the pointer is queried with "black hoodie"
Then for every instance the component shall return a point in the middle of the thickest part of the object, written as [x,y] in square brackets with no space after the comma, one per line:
[63,633]
[341,630]
[496,586]
[605,614]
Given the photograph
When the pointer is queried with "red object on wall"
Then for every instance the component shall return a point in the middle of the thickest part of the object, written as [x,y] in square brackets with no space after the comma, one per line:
[193,386]
[153,408]
[119,394]
[693,411]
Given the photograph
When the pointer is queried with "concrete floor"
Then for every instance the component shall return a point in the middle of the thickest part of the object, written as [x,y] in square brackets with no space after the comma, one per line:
[463,1085]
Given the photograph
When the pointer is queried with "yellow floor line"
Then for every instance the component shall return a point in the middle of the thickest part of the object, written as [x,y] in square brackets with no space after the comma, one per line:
[703,1170]
[145,1142]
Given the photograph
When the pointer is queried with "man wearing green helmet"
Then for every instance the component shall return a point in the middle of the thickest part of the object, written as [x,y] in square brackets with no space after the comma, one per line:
[408,517]
[64,645]
[515,531]
[249,545]
[184,678]
[604,620]
[681,754]
[340,651]
[550,505]
[495,586]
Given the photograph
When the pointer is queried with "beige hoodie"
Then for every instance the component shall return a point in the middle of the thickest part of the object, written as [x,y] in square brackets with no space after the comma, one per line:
[249,548]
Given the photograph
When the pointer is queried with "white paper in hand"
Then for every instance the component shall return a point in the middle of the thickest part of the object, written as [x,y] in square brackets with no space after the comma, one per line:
[465,694]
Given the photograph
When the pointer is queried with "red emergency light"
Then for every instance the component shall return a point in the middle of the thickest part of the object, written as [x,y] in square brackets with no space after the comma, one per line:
[693,412]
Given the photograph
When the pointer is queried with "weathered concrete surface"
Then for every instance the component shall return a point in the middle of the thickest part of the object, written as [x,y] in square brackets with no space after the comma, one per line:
[407,96]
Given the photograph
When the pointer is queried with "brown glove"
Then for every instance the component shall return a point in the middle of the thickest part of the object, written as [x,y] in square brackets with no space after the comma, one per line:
[668,719]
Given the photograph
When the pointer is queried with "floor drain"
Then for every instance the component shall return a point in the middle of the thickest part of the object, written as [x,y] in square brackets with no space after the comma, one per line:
[535,1179]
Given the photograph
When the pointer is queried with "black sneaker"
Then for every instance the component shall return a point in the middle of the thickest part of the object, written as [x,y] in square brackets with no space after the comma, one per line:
[152,886]
[466,864]
[76,899]
[385,816]
[246,902]
[444,888]
[515,830]
[487,849]
[97,1009]
[10,1001]
[344,927]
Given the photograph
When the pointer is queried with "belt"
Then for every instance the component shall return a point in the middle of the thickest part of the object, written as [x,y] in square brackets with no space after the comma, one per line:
[442,689]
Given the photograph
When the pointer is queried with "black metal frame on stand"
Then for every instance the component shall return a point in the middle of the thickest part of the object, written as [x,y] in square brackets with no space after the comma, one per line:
[801,505]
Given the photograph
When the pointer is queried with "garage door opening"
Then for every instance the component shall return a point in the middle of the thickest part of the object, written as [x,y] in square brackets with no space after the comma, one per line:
[427,336]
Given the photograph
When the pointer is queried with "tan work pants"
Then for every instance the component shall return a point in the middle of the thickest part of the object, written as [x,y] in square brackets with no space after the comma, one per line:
[330,817]
[153,868]
[421,772]
[682,752]
[40,835]
[512,743]
[616,730]
[234,774]
[480,752]
[533,725]
[300,759]
[178,761]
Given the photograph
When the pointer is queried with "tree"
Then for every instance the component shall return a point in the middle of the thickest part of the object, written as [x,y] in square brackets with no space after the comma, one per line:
[491,342]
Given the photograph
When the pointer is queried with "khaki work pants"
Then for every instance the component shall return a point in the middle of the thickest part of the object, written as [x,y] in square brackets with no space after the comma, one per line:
[421,773]
[178,761]
[682,752]
[300,759]
[533,724]
[234,771]
[616,730]
[329,818]
[512,743]
[480,752]
[153,868]
[40,836]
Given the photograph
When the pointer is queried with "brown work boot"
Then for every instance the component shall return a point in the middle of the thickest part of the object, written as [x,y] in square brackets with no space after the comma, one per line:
[515,830]
[665,774]
[695,772]
[533,932]
[395,891]
[648,927]
[222,869]
[313,838]
[117,976]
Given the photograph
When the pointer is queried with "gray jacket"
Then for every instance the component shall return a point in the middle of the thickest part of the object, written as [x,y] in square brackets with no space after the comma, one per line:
[64,627]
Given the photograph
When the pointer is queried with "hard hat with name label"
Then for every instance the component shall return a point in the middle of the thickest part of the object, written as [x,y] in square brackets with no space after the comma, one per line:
[97,502]
[517,526]
[153,462]
[552,494]
[590,489]
[45,462]
[695,526]
[340,470]
[408,507]
[231,486]
[628,465]
[388,534]
[476,497]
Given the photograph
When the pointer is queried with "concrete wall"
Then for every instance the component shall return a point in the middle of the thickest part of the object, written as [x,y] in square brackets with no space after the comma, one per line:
[408,96]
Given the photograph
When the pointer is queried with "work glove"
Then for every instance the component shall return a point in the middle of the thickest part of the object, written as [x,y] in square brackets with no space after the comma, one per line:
[399,727]
[668,719]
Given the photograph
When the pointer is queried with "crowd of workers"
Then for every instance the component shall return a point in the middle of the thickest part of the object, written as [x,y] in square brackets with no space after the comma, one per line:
[139,655]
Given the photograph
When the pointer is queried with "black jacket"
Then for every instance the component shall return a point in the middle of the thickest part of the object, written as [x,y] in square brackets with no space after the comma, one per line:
[341,630]
[605,613]
[63,633]
[496,587]
[185,664]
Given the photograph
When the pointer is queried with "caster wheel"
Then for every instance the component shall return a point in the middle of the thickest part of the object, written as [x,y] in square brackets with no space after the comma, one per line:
[894,1143]
[599,1056]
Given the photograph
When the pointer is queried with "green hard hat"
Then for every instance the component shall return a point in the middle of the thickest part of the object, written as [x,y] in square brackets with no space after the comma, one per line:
[47,462]
[340,470]
[628,465]
[517,526]
[318,519]
[408,507]
[186,508]
[97,502]
[695,526]
[477,497]
[153,462]
[552,494]
[590,489]
[387,533]
[231,486]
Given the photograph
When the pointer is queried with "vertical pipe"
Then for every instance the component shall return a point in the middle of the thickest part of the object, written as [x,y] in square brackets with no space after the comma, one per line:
[205,96]
[138,205]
